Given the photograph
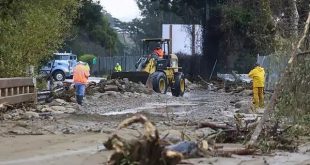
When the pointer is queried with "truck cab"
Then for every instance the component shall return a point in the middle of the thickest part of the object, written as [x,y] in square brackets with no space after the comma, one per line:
[61,66]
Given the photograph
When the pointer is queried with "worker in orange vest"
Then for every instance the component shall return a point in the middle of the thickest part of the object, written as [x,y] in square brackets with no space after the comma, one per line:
[80,77]
[158,51]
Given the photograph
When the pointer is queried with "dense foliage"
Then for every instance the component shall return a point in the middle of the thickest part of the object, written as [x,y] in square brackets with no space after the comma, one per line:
[293,105]
[93,33]
[234,32]
[31,30]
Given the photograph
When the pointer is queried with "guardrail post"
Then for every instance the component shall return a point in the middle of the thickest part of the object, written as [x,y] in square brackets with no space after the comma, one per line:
[34,80]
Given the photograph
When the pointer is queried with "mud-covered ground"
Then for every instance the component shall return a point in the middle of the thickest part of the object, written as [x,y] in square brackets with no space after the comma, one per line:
[65,133]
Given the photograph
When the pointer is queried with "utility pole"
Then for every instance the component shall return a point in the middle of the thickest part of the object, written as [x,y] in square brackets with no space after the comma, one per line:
[170,37]
[124,49]
[193,39]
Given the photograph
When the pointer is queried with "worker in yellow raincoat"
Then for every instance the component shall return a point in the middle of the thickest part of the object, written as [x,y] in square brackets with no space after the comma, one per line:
[258,76]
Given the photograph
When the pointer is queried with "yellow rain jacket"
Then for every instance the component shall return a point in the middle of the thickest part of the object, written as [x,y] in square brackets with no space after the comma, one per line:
[118,68]
[258,76]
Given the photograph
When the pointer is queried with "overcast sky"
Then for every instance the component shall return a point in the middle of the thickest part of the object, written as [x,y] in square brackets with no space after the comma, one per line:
[124,10]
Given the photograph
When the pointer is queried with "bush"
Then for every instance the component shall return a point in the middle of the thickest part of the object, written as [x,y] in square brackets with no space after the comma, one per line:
[87,58]
[31,31]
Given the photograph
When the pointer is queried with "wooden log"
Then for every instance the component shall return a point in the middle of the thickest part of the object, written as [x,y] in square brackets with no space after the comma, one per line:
[18,98]
[227,149]
[15,82]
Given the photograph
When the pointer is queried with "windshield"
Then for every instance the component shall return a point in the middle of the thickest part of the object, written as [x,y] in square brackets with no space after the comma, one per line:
[60,57]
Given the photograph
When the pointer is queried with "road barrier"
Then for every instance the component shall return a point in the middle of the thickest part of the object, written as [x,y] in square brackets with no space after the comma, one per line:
[17,90]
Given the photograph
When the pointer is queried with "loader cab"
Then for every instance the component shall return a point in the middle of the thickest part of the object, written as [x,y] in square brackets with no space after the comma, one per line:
[169,59]
[148,46]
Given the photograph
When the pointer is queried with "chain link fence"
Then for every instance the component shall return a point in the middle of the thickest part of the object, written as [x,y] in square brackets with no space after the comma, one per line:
[274,65]
[105,65]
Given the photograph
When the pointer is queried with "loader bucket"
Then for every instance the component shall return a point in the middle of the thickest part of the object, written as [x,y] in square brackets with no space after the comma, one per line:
[131,76]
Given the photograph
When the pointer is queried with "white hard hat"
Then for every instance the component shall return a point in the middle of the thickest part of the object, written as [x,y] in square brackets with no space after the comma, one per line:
[117,63]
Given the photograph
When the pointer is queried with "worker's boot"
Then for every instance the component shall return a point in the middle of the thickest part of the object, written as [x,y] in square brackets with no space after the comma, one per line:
[79,99]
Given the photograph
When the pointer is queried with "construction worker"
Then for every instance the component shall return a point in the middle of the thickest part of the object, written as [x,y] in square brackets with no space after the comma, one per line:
[118,67]
[258,76]
[158,51]
[80,77]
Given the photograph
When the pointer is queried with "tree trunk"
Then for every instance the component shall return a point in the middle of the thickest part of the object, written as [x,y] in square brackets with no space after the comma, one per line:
[211,38]
[294,18]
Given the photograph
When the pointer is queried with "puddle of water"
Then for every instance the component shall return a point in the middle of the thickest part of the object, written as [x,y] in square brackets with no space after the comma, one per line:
[157,108]
[175,104]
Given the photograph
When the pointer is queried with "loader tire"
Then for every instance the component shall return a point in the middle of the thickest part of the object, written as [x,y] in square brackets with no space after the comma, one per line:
[178,88]
[159,82]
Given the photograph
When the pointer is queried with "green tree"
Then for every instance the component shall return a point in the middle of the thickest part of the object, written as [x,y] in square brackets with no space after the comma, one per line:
[230,28]
[92,28]
[31,30]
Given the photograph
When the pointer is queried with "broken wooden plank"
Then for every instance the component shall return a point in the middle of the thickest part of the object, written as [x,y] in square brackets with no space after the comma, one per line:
[15,82]
[29,97]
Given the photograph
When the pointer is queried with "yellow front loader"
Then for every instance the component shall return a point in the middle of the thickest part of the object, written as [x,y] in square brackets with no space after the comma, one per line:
[158,73]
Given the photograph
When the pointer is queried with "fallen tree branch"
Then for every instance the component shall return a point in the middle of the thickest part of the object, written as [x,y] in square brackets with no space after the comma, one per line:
[213,125]
[229,149]
[277,91]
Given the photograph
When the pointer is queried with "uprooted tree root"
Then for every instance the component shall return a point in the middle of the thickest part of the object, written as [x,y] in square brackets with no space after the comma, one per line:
[147,149]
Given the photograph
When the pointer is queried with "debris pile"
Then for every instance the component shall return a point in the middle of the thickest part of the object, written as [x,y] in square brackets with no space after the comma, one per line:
[104,86]
[57,106]
[148,148]
[190,86]
[119,85]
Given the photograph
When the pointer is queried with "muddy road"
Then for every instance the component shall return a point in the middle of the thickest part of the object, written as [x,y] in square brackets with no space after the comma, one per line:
[64,133]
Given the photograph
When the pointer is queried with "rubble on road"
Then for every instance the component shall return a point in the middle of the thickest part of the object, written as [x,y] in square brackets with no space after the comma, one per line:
[244,106]
[149,148]
[57,106]
[204,123]
[104,86]
[123,85]
[190,86]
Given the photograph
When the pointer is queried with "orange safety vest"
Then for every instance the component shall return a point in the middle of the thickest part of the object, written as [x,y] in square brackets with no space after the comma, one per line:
[159,52]
[80,74]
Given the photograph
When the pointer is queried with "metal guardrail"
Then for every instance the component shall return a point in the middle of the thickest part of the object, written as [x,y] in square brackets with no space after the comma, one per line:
[17,90]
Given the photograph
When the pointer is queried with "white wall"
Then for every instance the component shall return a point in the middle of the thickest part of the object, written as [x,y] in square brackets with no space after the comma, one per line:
[181,37]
